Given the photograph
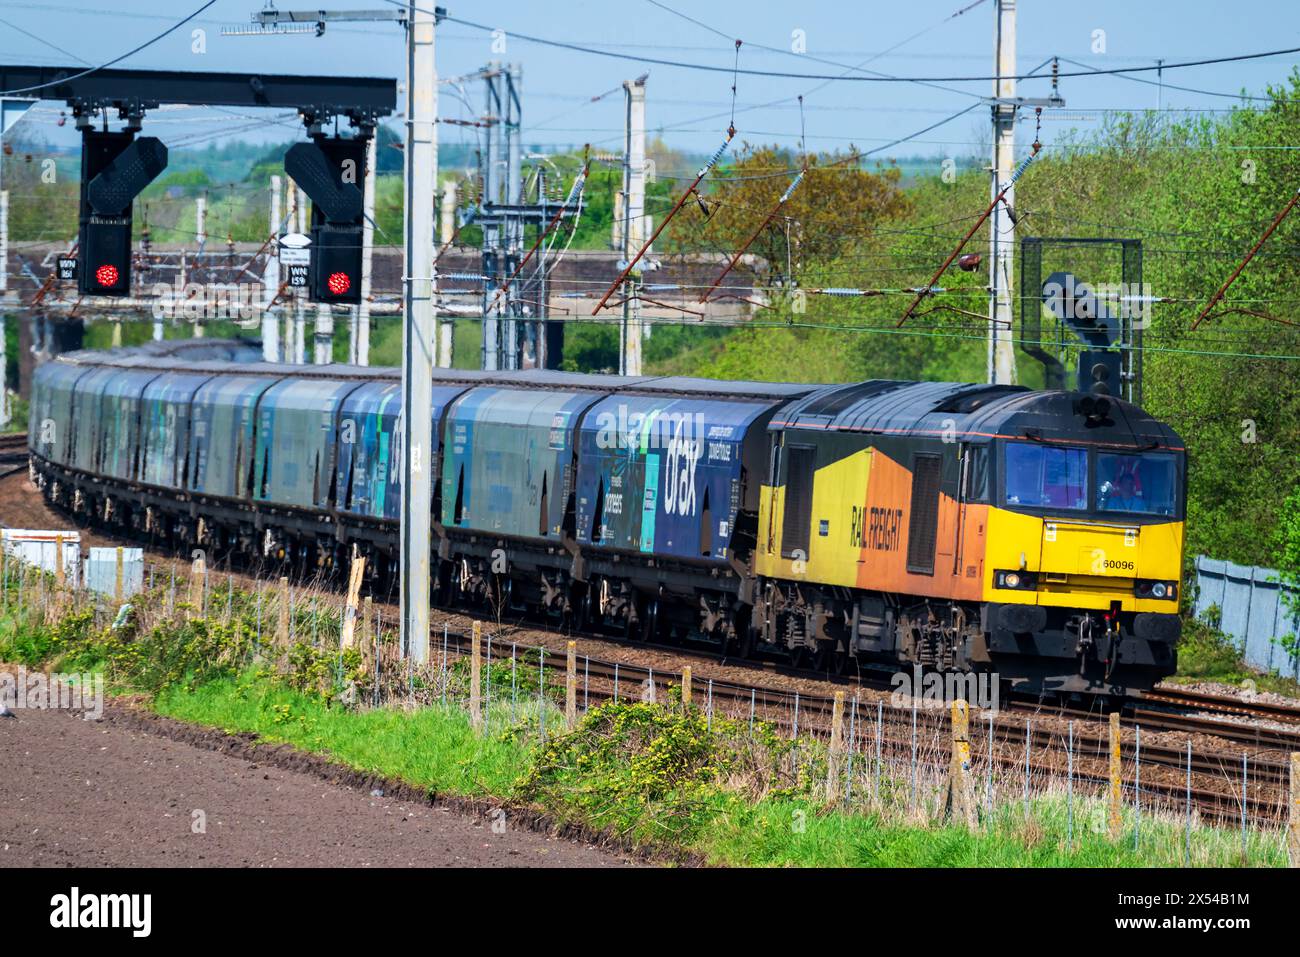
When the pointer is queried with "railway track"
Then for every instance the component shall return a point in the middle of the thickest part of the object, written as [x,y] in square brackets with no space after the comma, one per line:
[1163,710]
[1224,704]
[1013,740]
[13,453]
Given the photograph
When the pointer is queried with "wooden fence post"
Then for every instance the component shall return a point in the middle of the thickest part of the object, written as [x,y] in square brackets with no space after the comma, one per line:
[571,686]
[475,678]
[282,622]
[836,749]
[357,573]
[117,580]
[198,593]
[686,688]
[1116,789]
[960,799]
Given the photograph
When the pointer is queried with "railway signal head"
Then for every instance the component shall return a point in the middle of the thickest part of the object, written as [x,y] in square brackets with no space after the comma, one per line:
[115,167]
[336,264]
[106,258]
[338,283]
[330,170]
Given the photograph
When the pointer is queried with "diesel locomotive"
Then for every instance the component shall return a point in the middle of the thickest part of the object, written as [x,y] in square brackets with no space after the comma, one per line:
[1034,535]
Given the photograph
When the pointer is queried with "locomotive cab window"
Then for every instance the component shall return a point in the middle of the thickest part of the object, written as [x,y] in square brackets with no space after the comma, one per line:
[1146,482]
[1043,476]
[975,468]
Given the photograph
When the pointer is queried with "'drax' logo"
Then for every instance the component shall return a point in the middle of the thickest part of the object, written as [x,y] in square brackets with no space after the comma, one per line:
[679,471]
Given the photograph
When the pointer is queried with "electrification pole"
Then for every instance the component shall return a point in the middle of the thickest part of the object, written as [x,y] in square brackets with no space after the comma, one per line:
[447,232]
[633,220]
[360,338]
[271,282]
[418,321]
[419,329]
[1001,348]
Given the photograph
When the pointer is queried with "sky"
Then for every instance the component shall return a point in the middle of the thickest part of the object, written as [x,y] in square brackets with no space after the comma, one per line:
[690,108]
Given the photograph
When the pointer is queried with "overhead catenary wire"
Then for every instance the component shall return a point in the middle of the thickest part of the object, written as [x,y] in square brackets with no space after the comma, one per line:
[887,78]
[704,171]
[780,204]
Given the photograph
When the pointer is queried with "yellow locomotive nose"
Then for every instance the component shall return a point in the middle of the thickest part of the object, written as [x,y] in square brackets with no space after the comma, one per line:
[1083,563]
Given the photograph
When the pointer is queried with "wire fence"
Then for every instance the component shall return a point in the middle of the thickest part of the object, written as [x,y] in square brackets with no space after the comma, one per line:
[890,757]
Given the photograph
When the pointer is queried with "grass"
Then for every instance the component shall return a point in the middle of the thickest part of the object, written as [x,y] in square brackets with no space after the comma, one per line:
[432,748]
[652,774]
[577,777]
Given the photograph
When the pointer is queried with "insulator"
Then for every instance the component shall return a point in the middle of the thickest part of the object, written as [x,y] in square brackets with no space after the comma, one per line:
[717,155]
[789,190]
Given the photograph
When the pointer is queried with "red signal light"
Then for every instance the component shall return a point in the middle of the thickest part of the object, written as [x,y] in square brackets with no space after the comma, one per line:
[338,283]
[106,276]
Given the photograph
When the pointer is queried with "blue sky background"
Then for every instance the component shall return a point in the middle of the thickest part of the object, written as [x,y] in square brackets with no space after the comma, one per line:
[689,107]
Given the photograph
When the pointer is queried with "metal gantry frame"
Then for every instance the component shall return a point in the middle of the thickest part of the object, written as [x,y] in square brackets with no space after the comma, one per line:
[1050,353]
[131,92]
[515,331]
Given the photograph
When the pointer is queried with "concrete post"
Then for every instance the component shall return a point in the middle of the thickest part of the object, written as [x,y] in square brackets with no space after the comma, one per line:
[421,175]
[4,281]
[323,334]
[633,219]
[1002,237]
[360,338]
[271,283]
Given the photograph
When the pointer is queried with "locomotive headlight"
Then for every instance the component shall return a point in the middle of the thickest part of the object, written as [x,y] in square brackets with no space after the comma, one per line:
[1019,580]
[1144,588]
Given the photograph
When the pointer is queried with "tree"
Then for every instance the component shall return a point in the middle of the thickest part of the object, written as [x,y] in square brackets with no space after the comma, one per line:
[835,209]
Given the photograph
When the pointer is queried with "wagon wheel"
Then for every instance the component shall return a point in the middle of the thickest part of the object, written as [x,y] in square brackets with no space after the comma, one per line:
[650,622]
[583,614]
[800,657]
[824,656]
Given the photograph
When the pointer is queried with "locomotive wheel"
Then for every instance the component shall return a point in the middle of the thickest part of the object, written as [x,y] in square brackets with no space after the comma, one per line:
[800,657]
[745,644]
